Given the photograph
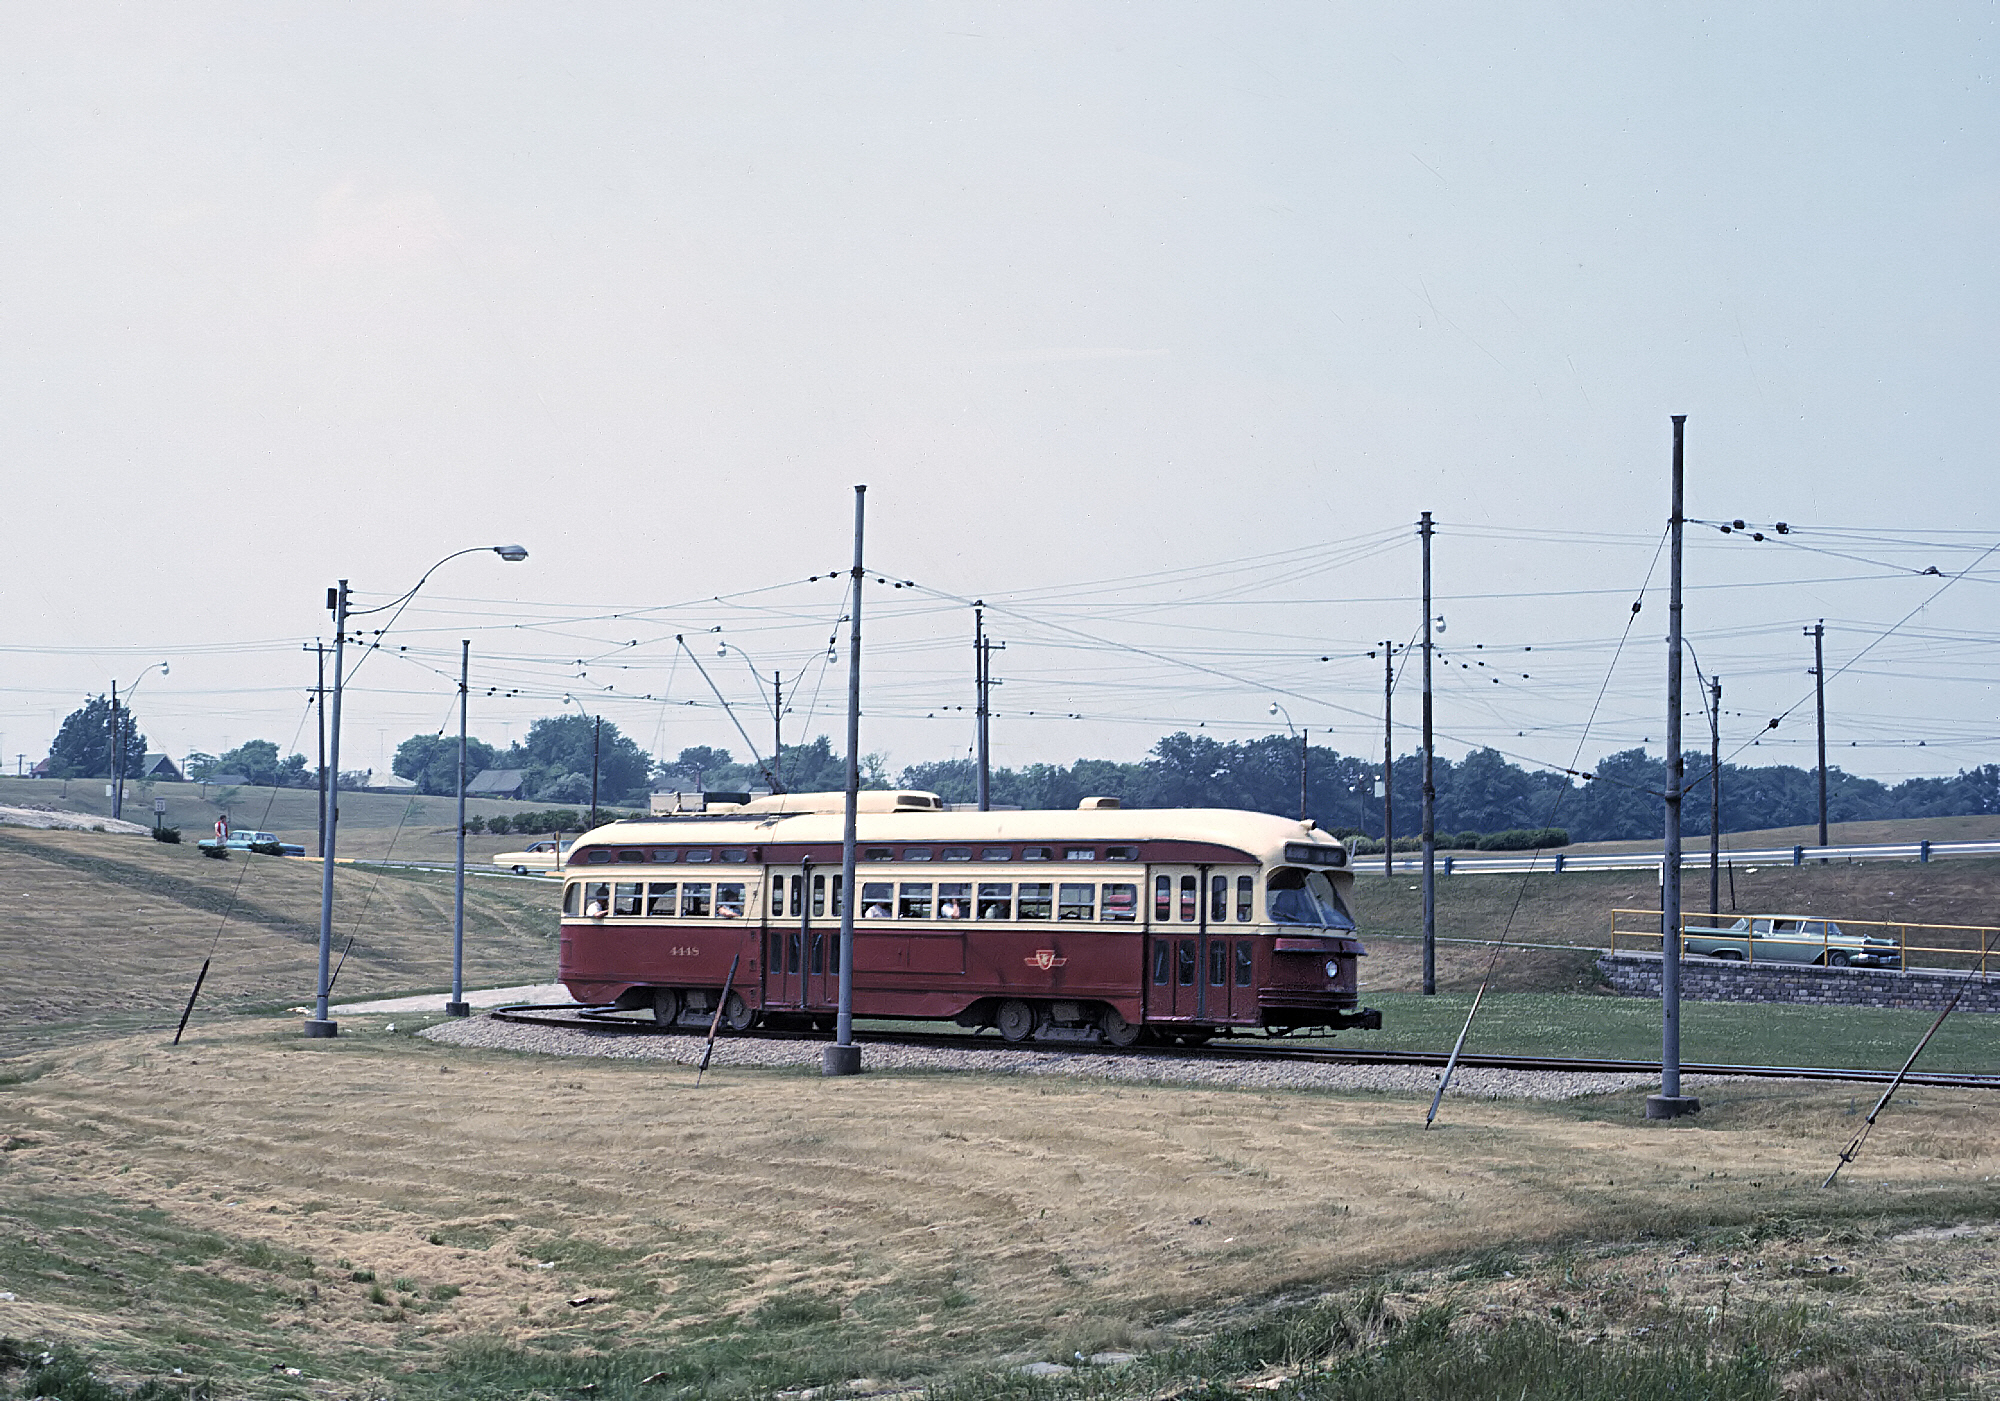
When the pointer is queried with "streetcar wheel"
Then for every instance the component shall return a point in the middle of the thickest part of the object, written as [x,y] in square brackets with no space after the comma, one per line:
[666,1006]
[825,1023]
[1016,1020]
[736,1013]
[1198,1037]
[1117,1030]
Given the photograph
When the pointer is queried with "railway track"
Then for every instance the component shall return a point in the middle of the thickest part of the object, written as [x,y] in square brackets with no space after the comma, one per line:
[606,1021]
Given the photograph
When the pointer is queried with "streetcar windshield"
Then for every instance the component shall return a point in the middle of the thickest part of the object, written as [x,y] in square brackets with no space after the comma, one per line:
[1293,896]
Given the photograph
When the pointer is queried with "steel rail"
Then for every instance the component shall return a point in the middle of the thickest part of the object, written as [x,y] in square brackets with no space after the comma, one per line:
[605,1020]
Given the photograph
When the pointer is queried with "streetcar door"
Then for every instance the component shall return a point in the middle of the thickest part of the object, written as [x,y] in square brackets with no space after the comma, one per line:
[1174,943]
[819,926]
[785,955]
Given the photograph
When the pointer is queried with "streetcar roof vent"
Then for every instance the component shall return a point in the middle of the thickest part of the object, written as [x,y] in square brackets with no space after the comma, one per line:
[1098,804]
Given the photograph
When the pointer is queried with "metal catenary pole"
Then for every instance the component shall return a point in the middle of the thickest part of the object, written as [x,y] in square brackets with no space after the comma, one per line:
[1430,788]
[320,1025]
[1818,633]
[1388,759]
[777,724]
[979,668]
[1714,794]
[844,1057]
[1670,1103]
[1304,758]
[596,739]
[458,1007]
[114,738]
[319,704]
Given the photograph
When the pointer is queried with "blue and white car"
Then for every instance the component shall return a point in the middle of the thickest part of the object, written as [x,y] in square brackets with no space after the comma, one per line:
[1793,939]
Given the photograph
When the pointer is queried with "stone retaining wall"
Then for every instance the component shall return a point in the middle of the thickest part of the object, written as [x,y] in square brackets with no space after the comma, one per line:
[1724,980]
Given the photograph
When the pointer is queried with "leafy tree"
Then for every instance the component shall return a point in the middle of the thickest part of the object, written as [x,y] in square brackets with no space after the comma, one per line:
[700,768]
[812,768]
[560,745]
[431,762]
[200,765]
[82,747]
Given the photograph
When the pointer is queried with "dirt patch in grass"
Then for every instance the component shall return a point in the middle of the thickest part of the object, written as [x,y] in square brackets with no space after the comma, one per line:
[449,1197]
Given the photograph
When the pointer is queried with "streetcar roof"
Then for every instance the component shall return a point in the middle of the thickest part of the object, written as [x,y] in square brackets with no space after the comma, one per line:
[1257,834]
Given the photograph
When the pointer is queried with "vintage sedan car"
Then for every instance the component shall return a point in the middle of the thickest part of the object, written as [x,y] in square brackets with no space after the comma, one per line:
[1793,939]
[243,839]
[537,856]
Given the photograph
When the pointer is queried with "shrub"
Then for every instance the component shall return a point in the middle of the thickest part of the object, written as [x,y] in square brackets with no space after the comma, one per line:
[267,848]
[169,835]
[475,825]
[499,825]
[217,852]
[1524,839]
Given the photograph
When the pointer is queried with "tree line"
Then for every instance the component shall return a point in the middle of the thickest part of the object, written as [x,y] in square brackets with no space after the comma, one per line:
[1479,796]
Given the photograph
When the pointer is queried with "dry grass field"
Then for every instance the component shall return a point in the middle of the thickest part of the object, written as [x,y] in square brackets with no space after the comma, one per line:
[397,1218]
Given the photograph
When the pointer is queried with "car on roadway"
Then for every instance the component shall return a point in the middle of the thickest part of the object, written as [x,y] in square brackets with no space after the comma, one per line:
[1793,939]
[246,840]
[537,856]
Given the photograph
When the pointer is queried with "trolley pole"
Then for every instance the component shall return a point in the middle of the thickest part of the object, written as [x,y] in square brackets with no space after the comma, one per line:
[320,1024]
[843,1057]
[1818,634]
[1430,788]
[1388,759]
[1714,794]
[979,667]
[1670,1103]
[458,1007]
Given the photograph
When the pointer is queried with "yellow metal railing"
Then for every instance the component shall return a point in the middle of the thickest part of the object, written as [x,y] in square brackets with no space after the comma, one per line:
[1944,947]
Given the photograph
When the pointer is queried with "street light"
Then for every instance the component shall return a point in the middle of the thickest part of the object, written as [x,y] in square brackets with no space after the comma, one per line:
[596,735]
[320,1025]
[777,712]
[118,736]
[1277,709]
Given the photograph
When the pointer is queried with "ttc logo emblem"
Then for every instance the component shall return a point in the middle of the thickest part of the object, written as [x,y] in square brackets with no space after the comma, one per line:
[1044,959]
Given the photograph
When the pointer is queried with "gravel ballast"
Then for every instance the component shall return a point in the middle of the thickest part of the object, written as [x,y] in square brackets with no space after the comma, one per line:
[753,1051]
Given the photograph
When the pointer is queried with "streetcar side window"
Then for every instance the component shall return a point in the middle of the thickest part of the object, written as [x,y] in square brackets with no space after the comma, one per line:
[1079,853]
[1218,899]
[1121,853]
[876,899]
[1121,903]
[572,897]
[1245,887]
[1244,958]
[1036,899]
[661,898]
[996,853]
[1190,896]
[1161,974]
[996,900]
[700,856]
[916,853]
[798,894]
[1038,853]
[596,899]
[839,896]
[955,853]
[1184,964]
[916,900]
[955,900]
[626,900]
[1218,963]
[819,897]
[1163,898]
[694,900]
[729,900]
[777,895]
[1076,902]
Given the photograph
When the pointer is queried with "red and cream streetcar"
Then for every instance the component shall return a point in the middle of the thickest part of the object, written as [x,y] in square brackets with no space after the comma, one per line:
[1052,926]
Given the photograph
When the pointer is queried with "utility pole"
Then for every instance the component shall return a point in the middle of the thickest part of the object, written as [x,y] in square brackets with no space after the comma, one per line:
[458,1006]
[777,723]
[843,1057]
[984,793]
[1430,788]
[1714,794]
[596,738]
[1388,760]
[1818,634]
[1304,751]
[320,1024]
[113,775]
[1670,1103]
[319,704]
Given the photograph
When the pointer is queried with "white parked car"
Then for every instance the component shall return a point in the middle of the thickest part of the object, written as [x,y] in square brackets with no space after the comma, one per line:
[1793,939]
[537,856]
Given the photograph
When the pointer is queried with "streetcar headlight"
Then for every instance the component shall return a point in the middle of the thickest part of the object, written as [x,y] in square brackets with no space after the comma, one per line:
[1332,969]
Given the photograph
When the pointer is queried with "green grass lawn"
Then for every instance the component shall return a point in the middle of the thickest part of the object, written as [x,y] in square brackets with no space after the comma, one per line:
[1624,1028]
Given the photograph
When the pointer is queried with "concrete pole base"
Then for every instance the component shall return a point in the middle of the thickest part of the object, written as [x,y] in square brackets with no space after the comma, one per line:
[316,1028]
[458,1009]
[840,1060]
[1671,1106]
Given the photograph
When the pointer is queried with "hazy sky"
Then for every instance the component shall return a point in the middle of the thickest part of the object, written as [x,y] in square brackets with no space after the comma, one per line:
[1208,301]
